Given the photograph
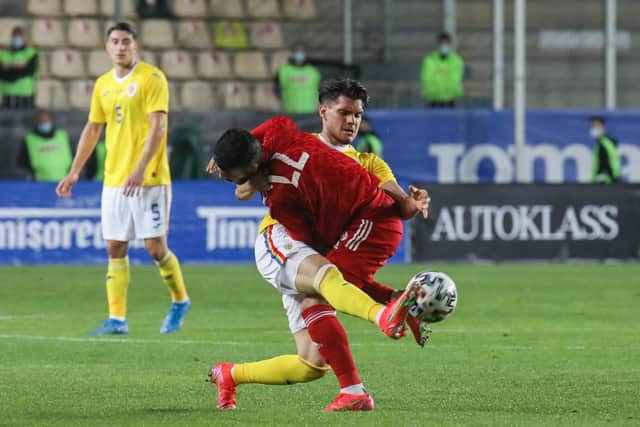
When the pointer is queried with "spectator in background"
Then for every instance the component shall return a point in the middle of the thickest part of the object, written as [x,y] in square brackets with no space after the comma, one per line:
[606,159]
[369,141]
[46,151]
[18,72]
[153,9]
[441,75]
[297,83]
[95,164]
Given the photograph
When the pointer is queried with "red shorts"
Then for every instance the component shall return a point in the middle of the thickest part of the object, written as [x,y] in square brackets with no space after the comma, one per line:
[365,247]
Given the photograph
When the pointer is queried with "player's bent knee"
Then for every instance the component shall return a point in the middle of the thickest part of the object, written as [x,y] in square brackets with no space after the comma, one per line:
[308,302]
[117,249]
[312,371]
[322,272]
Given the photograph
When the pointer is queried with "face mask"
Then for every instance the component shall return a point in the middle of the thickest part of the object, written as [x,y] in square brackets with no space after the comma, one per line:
[17,42]
[45,127]
[445,49]
[595,133]
[298,57]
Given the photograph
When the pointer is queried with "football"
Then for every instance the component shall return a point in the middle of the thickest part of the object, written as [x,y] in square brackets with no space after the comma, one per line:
[437,297]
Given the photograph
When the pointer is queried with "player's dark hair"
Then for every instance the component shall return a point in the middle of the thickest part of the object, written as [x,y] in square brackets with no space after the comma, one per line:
[236,148]
[331,90]
[444,37]
[597,119]
[122,26]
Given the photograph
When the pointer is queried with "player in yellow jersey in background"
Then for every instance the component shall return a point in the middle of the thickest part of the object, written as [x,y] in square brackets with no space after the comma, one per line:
[133,100]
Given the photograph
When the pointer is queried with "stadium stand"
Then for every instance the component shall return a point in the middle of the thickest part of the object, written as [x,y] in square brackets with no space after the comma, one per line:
[175,103]
[198,95]
[177,64]
[277,59]
[189,8]
[51,95]
[67,64]
[147,56]
[46,32]
[193,34]
[226,9]
[258,9]
[250,65]
[264,97]
[236,96]
[266,35]
[80,7]
[128,8]
[157,33]
[85,33]
[300,9]
[45,7]
[230,34]
[80,92]
[98,62]
[214,65]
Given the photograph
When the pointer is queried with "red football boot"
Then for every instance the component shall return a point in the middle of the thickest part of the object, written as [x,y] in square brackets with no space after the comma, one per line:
[395,313]
[351,402]
[220,375]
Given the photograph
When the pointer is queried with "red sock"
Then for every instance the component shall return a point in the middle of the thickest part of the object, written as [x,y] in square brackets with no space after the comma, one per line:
[379,292]
[327,332]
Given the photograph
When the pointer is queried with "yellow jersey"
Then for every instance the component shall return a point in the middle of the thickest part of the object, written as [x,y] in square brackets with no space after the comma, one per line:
[370,161]
[124,104]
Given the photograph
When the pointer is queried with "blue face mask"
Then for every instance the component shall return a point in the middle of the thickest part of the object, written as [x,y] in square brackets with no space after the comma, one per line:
[45,127]
[17,42]
[298,57]
[445,49]
[595,133]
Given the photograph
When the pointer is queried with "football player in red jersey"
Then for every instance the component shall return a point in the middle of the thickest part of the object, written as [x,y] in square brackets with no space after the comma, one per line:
[363,198]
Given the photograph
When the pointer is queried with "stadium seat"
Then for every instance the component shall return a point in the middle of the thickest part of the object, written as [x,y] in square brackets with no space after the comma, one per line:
[263,9]
[44,7]
[66,64]
[194,34]
[157,33]
[80,7]
[299,9]
[148,57]
[277,59]
[98,63]
[84,33]
[43,64]
[107,8]
[80,92]
[236,96]
[266,35]
[264,97]
[177,64]
[51,95]
[6,26]
[47,32]
[226,9]
[250,65]
[214,65]
[230,34]
[190,8]
[198,96]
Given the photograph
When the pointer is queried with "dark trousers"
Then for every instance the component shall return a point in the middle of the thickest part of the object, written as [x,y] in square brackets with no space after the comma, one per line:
[18,102]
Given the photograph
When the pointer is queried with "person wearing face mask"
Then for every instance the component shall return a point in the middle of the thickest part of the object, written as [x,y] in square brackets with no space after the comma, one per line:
[441,75]
[18,72]
[297,83]
[46,152]
[606,158]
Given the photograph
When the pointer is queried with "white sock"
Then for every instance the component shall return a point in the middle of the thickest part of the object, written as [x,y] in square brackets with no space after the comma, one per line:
[379,315]
[354,389]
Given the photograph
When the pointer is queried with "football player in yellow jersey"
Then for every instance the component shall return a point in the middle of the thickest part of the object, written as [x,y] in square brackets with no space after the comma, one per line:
[291,266]
[133,100]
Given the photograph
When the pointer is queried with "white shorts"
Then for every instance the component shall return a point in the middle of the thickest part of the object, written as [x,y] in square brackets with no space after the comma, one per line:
[278,257]
[126,218]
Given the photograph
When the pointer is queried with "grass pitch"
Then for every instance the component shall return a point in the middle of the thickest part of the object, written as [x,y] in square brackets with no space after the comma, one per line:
[527,345]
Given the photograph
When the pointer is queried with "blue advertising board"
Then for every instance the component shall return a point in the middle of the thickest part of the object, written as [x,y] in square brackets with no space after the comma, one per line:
[208,225]
[451,146]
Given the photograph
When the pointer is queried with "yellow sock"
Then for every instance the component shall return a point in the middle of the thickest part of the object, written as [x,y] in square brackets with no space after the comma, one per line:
[117,284]
[172,277]
[281,370]
[345,297]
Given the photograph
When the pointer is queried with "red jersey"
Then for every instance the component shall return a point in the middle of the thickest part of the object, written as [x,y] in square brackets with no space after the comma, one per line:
[316,191]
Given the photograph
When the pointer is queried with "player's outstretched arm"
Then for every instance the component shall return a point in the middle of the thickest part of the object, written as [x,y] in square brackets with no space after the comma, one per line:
[87,143]
[409,204]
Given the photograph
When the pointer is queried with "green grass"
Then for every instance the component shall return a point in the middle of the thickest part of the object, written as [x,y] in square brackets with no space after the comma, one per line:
[527,345]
